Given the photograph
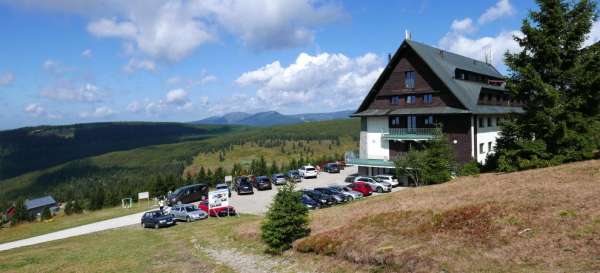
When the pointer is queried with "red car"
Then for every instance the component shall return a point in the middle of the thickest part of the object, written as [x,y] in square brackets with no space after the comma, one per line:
[221,212]
[361,187]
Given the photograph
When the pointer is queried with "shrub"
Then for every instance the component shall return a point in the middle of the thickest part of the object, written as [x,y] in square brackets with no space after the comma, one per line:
[46,214]
[77,208]
[469,168]
[286,220]
[69,208]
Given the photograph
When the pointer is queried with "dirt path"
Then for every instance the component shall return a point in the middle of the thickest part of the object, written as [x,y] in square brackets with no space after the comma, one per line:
[243,262]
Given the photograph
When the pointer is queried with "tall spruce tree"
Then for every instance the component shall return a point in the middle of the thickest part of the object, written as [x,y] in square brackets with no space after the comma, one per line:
[559,85]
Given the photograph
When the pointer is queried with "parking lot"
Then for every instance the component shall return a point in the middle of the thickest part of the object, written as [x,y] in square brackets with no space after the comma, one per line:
[259,202]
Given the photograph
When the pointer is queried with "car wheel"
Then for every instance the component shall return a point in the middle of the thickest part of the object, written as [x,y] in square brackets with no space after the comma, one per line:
[379,190]
[155,226]
[351,198]
[187,219]
[143,225]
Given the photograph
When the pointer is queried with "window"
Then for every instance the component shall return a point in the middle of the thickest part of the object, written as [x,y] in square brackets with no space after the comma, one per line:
[409,79]
[490,146]
[411,121]
[395,100]
[481,124]
[481,146]
[395,121]
[429,120]
[411,99]
[427,98]
[489,122]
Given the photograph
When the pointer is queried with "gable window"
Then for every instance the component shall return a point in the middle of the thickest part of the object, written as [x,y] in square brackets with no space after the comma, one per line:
[427,98]
[429,120]
[409,79]
[411,99]
[395,100]
[411,122]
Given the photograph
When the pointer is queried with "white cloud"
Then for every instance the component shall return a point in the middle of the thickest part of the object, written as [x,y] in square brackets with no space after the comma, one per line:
[134,65]
[6,78]
[98,112]
[87,53]
[174,100]
[500,9]
[204,78]
[64,91]
[135,107]
[594,35]
[475,48]
[110,28]
[335,77]
[177,97]
[463,26]
[35,109]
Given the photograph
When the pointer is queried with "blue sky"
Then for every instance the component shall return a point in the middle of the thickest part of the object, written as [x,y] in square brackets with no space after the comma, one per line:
[87,61]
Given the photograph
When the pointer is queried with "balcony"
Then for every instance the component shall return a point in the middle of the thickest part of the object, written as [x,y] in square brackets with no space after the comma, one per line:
[416,134]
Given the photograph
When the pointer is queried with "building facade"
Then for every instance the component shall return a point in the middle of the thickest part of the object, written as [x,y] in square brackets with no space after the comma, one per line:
[423,92]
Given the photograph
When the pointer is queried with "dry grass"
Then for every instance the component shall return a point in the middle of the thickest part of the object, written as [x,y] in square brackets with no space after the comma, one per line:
[545,220]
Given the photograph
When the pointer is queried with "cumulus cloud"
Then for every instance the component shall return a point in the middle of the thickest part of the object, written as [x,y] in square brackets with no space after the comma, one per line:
[98,112]
[177,96]
[134,65]
[35,109]
[463,26]
[174,100]
[87,53]
[173,29]
[315,78]
[203,79]
[6,78]
[476,47]
[500,9]
[65,91]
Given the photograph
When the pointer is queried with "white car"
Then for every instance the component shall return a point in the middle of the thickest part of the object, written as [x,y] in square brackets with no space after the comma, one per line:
[375,185]
[308,171]
[387,178]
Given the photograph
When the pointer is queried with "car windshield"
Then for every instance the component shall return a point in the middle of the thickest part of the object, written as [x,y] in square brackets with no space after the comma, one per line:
[157,214]
[279,176]
[310,169]
[220,187]
[191,208]
[294,172]
[263,179]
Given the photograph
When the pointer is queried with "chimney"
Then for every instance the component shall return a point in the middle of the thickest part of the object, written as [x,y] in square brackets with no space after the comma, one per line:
[407,35]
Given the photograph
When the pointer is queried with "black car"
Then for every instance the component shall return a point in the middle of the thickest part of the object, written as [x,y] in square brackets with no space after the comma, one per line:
[243,185]
[156,219]
[293,176]
[323,199]
[262,183]
[188,194]
[339,198]
[331,168]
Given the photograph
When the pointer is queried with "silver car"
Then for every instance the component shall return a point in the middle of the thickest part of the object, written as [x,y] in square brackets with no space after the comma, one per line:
[347,192]
[188,213]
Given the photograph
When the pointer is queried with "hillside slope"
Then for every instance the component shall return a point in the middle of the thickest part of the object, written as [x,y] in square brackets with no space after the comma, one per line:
[545,220]
[270,118]
[32,148]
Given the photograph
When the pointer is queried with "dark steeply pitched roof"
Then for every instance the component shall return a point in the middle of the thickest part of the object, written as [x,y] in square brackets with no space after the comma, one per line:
[444,65]
[39,202]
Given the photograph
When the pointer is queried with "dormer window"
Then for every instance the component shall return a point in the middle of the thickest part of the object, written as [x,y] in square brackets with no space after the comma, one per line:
[409,79]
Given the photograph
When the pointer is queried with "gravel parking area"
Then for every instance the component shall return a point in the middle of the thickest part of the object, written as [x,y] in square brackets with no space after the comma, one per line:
[259,202]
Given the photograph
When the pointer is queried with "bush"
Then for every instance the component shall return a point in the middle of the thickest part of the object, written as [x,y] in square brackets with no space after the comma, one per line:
[430,165]
[469,168]
[286,220]
[77,208]
[69,208]
[46,214]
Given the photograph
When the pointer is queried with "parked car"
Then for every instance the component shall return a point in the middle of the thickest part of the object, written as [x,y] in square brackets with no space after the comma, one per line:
[323,199]
[223,186]
[347,191]
[375,185]
[243,185]
[156,219]
[188,213]
[214,212]
[392,179]
[262,183]
[188,194]
[361,187]
[350,178]
[309,202]
[331,168]
[308,171]
[278,179]
[293,176]
[339,197]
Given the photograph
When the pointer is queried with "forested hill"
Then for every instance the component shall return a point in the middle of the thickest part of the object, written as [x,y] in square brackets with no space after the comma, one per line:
[31,148]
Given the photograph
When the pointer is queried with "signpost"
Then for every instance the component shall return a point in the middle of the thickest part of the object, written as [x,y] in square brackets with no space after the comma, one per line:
[143,195]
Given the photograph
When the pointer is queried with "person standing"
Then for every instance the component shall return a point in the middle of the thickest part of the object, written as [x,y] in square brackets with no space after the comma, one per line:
[161,204]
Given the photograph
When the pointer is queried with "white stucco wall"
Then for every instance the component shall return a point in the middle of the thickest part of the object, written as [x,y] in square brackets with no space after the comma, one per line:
[485,135]
[371,145]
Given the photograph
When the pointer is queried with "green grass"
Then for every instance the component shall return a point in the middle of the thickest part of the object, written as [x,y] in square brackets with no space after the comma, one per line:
[62,221]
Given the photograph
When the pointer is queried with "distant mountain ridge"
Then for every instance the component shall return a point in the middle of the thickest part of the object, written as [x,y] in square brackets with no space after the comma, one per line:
[270,118]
